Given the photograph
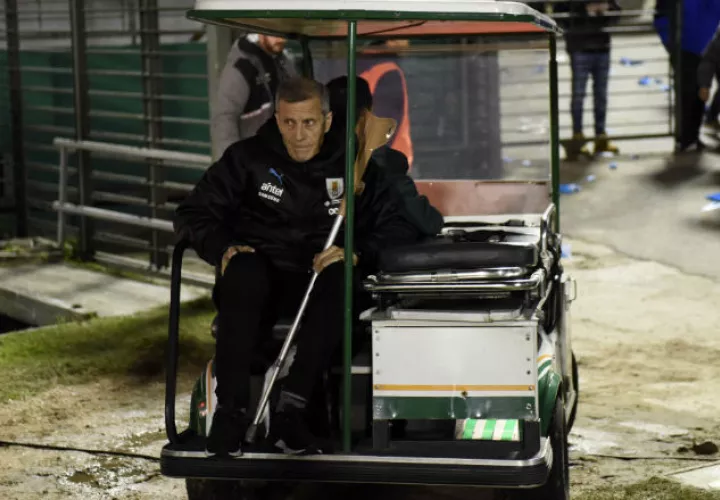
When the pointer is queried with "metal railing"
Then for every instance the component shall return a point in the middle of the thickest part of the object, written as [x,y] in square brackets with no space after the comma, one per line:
[126,74]
[161,160]
[130,75]
[642,88]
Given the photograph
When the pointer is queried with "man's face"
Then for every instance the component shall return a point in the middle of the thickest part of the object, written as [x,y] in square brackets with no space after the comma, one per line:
[272,44]
[303,127]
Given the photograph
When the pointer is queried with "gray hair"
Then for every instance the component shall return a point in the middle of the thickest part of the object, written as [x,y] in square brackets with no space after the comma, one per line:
[299,89]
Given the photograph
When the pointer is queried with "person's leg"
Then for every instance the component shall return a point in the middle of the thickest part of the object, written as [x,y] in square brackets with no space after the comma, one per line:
[318,338]
[580,70]
[580,64]
[241,297]
[692,107]
[601,74]
[714,110]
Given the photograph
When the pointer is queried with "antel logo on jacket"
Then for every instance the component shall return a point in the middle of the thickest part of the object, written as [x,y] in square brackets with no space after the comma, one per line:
[271,192]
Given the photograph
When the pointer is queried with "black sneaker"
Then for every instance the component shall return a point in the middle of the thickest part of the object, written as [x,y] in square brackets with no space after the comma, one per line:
[227,432]
[290,433]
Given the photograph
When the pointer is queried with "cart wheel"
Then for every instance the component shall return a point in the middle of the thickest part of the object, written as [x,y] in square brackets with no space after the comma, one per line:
[557,486]
[216,489]
[576,384]
[209,489]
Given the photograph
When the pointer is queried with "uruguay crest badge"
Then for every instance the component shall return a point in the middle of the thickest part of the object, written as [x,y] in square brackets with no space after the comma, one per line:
[335,187]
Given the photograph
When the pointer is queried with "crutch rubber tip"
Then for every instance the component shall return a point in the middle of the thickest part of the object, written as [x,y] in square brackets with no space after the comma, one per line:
[250,434]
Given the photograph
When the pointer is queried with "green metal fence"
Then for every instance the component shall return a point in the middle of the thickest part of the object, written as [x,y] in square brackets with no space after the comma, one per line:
[148,87]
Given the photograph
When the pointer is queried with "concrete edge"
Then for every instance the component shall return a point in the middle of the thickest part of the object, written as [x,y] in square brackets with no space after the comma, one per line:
[35,309]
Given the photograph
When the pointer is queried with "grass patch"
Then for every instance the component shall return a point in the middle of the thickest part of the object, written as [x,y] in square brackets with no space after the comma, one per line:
[653,489]
[78,352]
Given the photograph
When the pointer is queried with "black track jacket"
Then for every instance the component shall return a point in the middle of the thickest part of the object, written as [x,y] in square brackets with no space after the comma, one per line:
[256,195]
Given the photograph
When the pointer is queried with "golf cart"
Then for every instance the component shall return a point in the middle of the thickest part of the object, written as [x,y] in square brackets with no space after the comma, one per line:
[462,372]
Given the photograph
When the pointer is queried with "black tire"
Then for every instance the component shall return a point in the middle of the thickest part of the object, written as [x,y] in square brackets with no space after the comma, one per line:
[557,486]
[217,489]
[209,489]
[576,384]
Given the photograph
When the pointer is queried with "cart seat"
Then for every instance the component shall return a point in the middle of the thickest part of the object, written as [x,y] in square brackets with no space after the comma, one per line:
[446,253]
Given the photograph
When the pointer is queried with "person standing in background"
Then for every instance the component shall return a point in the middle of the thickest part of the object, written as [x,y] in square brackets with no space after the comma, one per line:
[588,46]
[245,97]
[379,66]
[699,22]
[708,68]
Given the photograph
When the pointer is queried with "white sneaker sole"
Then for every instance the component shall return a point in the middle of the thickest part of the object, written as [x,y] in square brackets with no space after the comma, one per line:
[232,454]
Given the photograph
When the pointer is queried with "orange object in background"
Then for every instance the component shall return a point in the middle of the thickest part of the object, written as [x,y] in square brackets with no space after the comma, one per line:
[401,141]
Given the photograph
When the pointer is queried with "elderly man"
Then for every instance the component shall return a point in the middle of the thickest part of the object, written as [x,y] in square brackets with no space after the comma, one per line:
[262,213]
[245,96]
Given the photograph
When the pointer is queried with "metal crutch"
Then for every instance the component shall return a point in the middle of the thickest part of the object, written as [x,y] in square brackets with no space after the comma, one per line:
[375,132]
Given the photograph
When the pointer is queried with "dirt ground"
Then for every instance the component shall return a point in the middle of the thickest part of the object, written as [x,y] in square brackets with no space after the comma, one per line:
[644,333]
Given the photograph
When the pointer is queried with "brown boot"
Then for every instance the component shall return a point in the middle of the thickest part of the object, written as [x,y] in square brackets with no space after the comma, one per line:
[575,148]
[603,145]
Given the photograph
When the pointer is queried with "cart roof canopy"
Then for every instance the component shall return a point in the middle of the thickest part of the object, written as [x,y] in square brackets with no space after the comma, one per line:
[328,19]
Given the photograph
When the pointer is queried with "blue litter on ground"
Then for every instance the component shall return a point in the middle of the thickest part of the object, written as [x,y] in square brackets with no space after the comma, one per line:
[565,251]
[613,166]
[713,197]
[665,87]
[626,61]
[526,163]
[713,205]
[645,80]
[569,188]
[590,178]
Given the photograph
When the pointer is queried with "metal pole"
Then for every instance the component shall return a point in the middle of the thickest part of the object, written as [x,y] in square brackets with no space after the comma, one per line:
[149,45]
[82,129]
[554,129]
[465,97]
[349,229]
[307,61]
[16,116]
[62,183]
[676,25]
[219,42]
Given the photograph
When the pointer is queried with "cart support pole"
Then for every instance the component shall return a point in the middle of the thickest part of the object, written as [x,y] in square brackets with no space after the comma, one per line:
[349,243]
[307,61]
[554,131]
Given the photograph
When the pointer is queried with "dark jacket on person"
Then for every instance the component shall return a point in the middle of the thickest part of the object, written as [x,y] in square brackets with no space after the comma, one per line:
[257,195]
[710,63]
[245,97]
[415,208]
[585,32]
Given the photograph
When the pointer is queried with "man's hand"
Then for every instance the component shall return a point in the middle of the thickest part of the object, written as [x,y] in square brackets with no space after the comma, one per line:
[704,94]
[330,256]
[231,252]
